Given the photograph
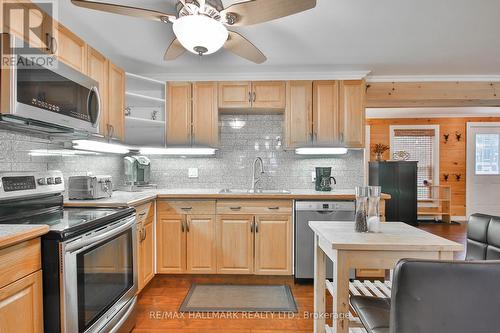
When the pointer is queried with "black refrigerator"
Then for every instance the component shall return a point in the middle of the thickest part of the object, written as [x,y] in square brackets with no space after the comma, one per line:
[399,179]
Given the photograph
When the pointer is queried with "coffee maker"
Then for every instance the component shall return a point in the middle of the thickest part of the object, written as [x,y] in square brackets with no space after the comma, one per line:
[137,170]
[324,179]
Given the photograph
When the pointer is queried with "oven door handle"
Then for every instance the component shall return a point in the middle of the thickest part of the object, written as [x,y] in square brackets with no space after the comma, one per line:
[84,243]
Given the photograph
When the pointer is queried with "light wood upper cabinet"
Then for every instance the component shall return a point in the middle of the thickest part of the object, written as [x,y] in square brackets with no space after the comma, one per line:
[193,117]
[171,243]
[116,102]
[337,117]
[21,305]
[179,99]
[268,94]
[97,68]
[298,113]
[14,21]
[235,95]
[254,95]
[205,114]
[235,243]
[70,48]
[273,245]
[352,113]
[200,244]
[325,112]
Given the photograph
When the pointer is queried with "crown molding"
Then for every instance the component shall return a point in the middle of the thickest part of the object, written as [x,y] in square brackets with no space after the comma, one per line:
[433,78]
[262,76]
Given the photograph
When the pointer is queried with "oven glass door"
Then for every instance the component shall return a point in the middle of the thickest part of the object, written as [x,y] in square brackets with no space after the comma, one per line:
[104,274]
[43,88]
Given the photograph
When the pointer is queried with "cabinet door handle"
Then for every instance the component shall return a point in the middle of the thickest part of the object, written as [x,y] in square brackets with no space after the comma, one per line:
[274,208]
[53,45]
[254,96]
[182,226]
[235,208]
[144,233]
[249,97]
[342,137]
[256,226]
[187,226]
[48,42]
[252,226]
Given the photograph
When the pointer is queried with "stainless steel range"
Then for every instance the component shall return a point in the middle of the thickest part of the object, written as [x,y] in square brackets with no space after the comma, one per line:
[88,256]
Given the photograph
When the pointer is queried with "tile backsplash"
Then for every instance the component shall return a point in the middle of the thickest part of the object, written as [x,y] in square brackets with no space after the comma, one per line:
[15,155]
[242,139]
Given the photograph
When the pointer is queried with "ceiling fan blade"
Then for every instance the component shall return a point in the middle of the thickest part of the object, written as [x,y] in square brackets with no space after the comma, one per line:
[174,50]
[258,11]
[241,46]
[125,10]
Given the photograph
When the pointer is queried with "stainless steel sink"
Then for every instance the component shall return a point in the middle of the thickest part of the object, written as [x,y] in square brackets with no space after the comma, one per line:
[244,191]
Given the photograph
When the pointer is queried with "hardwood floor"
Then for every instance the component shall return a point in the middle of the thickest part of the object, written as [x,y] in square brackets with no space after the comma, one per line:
[160,300]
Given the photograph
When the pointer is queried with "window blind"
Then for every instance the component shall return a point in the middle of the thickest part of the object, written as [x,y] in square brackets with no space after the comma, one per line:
[419,144]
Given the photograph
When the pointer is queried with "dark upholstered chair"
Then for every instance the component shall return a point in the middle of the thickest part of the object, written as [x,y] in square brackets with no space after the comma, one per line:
[436,297]
[483,237]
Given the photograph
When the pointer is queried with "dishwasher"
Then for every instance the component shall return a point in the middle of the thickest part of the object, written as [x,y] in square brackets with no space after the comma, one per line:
[306,211]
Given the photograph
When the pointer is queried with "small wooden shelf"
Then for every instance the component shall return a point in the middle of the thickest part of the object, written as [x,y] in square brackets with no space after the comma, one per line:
[438,202]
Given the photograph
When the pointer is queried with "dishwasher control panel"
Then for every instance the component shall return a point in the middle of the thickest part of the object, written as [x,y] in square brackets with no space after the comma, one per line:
[325,205]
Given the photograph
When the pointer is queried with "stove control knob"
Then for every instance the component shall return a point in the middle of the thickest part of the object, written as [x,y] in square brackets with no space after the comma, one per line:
[41,181]
[50,181]
[58,180]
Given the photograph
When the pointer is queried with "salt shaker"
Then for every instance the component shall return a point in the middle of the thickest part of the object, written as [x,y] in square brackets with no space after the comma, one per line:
[360,223]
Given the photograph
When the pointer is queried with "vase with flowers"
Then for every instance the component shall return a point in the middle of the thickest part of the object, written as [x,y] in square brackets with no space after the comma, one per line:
[379,149]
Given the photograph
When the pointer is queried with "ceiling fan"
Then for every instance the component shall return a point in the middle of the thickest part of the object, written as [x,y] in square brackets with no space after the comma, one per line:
[200,26]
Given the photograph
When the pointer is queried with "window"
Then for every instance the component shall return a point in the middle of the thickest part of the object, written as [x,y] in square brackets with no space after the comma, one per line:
[419,143]
[487,149]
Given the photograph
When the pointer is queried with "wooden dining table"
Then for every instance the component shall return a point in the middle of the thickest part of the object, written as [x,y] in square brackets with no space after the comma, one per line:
[348,249]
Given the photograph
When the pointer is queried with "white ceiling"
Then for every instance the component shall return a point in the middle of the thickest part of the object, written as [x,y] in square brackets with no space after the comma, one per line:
[386,37]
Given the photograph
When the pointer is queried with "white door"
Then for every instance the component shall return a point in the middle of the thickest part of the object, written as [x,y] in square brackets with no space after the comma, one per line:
[483,168]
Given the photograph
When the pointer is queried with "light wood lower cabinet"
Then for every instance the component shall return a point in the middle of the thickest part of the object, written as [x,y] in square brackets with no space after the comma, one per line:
[235,243]
[21,305]
[171,244]
[273,245]
[186,237]
[145,244]
[200,244]
[256,243]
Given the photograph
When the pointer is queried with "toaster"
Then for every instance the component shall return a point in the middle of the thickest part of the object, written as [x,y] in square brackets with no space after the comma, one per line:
[90,187]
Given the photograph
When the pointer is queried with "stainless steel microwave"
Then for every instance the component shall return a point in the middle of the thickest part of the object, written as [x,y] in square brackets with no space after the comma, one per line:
[55,94]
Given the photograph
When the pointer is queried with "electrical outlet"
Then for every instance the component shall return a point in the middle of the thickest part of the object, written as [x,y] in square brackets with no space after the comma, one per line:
[313,176]
[193,172]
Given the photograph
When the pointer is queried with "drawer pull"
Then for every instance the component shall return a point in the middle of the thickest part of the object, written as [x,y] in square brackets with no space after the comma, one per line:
[235,208]
[274,208]
[142,214]
[187,208]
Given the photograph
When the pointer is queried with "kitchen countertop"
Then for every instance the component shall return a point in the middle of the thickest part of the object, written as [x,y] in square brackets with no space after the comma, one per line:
[11,234]
[122,198]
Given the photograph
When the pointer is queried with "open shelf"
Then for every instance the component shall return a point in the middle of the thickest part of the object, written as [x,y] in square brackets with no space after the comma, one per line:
[145,121]
[438,202]
[139,100]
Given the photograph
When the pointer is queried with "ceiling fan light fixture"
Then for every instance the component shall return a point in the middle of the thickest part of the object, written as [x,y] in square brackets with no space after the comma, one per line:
[200,34]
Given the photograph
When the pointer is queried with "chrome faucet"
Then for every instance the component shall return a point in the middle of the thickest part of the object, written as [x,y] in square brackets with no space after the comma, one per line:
[255,181]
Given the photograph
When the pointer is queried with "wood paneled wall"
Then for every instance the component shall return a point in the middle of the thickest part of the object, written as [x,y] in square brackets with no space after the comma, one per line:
[452,154]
